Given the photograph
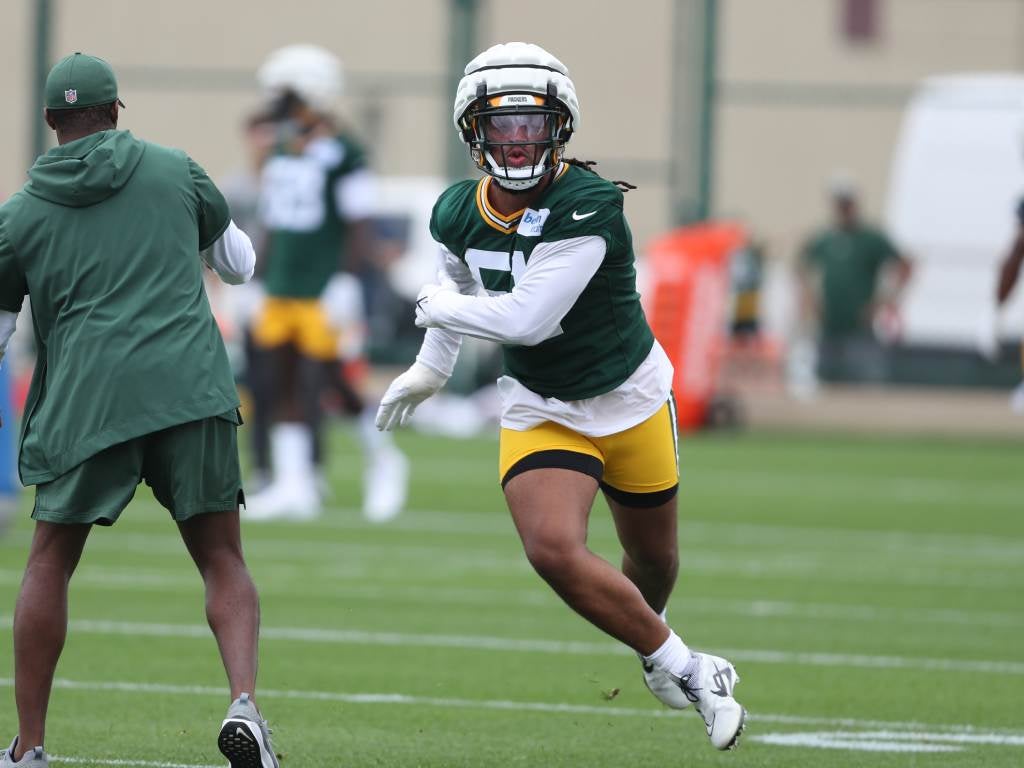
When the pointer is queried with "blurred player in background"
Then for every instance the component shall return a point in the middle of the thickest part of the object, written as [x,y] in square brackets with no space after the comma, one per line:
[1008,274]
[131,384]
[235,310]
[852,278]
[317,196]
[538,257]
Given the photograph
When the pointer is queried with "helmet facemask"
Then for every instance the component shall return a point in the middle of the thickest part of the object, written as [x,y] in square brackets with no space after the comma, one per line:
[517,138]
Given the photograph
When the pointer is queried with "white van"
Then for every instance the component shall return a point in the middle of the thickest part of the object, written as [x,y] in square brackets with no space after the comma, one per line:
[956,179]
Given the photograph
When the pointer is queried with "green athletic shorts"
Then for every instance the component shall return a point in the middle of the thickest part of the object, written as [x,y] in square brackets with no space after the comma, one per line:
[192,468]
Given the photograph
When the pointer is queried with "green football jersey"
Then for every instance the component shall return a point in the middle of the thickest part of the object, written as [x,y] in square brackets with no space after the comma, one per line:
[605,335]
[300,212]
[105,236]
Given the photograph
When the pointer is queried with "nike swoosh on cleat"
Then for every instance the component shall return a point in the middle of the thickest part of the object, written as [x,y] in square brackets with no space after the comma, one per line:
[581,216]
[240,731]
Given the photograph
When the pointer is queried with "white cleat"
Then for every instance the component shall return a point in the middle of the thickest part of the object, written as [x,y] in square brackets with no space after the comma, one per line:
[664,687]
[710,689]
[280,501]
[385,485]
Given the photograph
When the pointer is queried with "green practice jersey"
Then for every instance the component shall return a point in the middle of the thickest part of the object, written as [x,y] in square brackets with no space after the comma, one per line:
[301,212]
[105,237]
[605,335]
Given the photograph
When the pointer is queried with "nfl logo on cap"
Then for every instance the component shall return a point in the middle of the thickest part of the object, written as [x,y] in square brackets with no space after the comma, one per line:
[71,96]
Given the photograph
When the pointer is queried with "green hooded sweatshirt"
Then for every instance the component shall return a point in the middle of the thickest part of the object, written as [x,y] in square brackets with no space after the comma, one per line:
[105,238]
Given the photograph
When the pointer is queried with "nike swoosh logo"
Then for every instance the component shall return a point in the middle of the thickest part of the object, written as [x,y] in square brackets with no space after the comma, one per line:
[580,217]
[240,731]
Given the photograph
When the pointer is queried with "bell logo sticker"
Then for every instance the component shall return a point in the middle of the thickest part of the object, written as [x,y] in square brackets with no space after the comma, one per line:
[71,96]
[532,223]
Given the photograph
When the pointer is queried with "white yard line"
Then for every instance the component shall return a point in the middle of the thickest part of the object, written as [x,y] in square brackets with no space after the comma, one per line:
[129,763]
[563,647]
[496,522]
[283,580]
[859,567]
[891,740]
[952,733]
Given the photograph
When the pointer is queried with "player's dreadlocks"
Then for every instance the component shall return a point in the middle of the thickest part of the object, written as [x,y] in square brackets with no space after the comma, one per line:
[588,165]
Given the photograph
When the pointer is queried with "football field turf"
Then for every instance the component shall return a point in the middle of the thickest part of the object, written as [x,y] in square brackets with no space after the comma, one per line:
[870,592]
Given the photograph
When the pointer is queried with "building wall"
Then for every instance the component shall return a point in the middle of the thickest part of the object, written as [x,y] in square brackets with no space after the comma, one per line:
[16,40]
[796,101]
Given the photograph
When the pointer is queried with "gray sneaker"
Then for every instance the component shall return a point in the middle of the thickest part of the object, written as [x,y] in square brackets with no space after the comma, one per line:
[33,758]
[244,737]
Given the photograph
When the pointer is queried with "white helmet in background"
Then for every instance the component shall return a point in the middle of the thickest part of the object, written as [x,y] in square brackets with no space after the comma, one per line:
[310,72]
[516,98]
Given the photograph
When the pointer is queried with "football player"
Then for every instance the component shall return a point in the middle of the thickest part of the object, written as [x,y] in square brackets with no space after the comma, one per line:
[1009,271]
[537,256]
[317,196]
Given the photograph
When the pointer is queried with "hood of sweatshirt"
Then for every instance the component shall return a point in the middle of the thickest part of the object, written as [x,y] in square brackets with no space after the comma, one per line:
[86,171]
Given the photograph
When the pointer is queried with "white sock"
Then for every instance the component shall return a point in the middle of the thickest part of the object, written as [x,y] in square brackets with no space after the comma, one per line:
[371,439]
[664,615]
[291,449]
[673,656]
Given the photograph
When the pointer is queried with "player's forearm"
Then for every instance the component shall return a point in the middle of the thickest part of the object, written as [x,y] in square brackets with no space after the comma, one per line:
[7,322]
[1009,273]
[439,351]
[360,247]
[232,256]
[507,319]
[553,281]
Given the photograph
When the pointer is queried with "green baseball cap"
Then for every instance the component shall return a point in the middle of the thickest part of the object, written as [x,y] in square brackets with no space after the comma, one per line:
[79,81]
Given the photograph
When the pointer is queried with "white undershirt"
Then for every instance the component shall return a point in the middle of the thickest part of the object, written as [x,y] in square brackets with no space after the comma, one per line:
[355,195]
[7,323]
[552,282]
[231,256]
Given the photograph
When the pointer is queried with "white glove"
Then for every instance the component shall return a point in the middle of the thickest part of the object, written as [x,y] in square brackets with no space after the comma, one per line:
[405,393]
[424,318]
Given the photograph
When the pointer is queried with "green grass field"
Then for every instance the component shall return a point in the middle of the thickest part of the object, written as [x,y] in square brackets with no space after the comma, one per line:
[871,593]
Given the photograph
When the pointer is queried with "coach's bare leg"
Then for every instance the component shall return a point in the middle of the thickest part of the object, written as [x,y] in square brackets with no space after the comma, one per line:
[41,623]
[650,557]
[232,604]
[550,509]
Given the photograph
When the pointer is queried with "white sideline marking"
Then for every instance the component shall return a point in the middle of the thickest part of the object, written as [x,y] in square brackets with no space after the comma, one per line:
[285,581]
[140,763]
[568,647]
[948,732]
[890,741]
[979,571]
[850,741]
[564,647]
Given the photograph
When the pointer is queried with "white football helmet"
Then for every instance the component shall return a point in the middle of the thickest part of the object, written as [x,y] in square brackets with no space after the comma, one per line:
[516,108]
[310,72]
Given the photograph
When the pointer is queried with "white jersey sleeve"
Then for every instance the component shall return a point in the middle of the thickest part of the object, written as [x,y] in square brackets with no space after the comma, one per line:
[440,348]
[231,256]
[8,320]
[356,195]
[553,280]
